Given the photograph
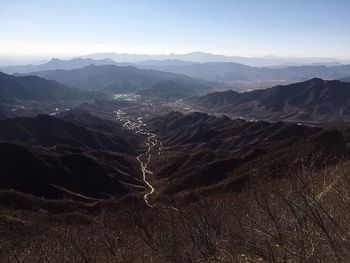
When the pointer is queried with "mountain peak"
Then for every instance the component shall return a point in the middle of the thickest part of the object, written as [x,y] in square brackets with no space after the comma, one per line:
[55,60]
[317,80]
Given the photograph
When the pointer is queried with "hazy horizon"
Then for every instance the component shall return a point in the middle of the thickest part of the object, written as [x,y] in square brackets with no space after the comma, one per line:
[21,60]
[39,29]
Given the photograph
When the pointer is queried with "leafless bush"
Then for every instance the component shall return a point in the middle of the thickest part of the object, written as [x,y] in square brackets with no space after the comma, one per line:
[302,217]
[299,219]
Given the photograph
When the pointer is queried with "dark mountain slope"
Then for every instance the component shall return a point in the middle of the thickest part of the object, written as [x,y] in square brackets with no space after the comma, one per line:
[205,152]
[112,78]
[49,131]
[67,172]
[85,119]
[82,117]
[171,90]
[32,88]
[80,157]
[312,100]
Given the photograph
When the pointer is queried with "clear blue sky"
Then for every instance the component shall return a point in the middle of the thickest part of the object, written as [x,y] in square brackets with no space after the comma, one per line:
[234,27]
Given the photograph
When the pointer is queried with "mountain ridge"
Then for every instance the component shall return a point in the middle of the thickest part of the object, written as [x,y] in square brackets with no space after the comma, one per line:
[200,57]
[34,88]
[49,131]
[208,152]
[312,100]
[117,79]
[229,71]
[56,63]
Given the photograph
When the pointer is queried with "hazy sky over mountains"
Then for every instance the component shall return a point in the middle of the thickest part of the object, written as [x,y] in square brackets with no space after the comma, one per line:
[248,28]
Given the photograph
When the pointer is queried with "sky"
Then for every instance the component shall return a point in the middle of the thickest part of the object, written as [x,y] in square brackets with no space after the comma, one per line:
[288,28]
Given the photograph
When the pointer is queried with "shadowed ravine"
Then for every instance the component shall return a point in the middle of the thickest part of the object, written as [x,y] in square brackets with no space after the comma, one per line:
[145,158]
[151,142]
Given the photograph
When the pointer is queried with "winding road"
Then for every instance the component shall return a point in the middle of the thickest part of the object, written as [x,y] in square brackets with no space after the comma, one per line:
[145,158]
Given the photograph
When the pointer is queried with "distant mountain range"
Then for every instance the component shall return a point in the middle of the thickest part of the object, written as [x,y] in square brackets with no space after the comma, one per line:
[309,101]
[116,79]
[202,57]
[56,63]
[228,72]
[32,88]
[237,76]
